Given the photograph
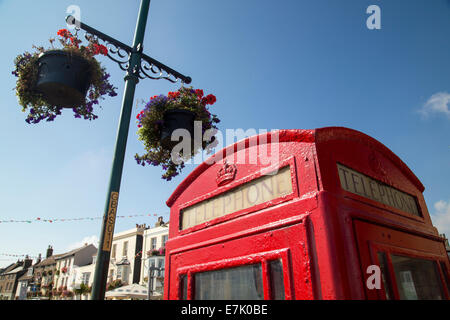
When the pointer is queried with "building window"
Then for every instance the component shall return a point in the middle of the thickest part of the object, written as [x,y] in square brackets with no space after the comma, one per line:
[111,275]
[113,253]
[161,267]
[153,244]
[122,272]
[85,278]
[164,240]
[125,249]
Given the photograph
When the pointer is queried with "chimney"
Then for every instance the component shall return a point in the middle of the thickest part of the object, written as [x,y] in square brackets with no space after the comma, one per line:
[49,252]
[160,222]
[28,262]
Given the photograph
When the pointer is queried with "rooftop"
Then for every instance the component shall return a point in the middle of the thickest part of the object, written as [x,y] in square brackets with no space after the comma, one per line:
[72,252]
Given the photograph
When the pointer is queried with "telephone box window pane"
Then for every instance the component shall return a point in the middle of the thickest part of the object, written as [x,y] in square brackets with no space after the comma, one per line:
[417,279]
[183,287]
[241,283]
[276,279]
[385,275]
[445,272]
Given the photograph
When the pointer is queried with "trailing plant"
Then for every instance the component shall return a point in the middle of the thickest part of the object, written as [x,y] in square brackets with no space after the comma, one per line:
[84,289]
[157,252]
[114,284]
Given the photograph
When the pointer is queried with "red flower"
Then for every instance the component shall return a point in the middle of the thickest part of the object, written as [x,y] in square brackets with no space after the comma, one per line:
[75,41]
[64,33]
[210,99]
[100,49]
[173,95]
[140,114]
[103,50]
[199,93]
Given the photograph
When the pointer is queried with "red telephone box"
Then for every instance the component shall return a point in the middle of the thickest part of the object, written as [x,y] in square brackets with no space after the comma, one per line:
[334,215]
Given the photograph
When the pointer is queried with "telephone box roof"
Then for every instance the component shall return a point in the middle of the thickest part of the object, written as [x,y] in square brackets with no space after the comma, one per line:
[317,136]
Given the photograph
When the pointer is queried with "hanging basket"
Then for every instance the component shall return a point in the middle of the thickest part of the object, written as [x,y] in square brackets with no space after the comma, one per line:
[176,119]
[161,116]
[63,78]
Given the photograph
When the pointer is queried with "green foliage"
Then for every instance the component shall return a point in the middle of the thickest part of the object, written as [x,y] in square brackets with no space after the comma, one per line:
[114,284]
[84,289]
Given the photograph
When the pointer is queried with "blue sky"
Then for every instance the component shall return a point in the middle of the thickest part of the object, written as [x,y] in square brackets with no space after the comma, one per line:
[272,65]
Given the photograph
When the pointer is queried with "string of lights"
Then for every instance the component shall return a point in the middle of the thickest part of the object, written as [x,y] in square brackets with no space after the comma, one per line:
[17,256]
[42,220]
[35,257]
[38,219]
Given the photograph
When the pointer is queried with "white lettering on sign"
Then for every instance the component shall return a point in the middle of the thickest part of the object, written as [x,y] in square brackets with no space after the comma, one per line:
[263,189]
[110,221]
[360,184]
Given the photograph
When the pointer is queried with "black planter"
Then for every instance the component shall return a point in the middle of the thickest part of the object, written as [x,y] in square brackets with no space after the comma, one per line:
[63,79]
[176,119]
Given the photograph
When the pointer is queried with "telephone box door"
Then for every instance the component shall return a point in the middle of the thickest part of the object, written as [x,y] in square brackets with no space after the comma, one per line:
[411,267]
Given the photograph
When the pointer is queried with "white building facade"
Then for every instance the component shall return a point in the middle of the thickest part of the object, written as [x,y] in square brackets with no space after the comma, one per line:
[153,255]
[67,263]
[84,275]
[126,256]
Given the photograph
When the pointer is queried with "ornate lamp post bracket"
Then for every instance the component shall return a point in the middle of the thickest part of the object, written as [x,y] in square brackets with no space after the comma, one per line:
[121,54]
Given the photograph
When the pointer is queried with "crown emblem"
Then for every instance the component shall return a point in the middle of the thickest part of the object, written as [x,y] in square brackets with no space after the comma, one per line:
[226,173]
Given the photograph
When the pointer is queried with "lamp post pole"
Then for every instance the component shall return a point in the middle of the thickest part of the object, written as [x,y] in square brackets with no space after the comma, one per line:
[110,211]
[137,66]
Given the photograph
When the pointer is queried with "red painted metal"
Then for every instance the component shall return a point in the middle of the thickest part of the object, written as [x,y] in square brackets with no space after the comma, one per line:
[324,235]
